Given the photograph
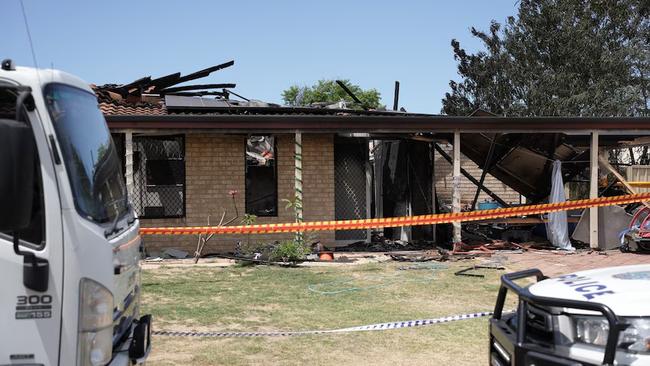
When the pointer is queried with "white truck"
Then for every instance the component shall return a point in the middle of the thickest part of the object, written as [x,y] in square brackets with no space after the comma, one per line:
[69,242]
[594,317]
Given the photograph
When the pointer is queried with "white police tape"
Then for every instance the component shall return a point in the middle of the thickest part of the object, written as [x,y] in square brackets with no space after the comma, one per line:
[361,328]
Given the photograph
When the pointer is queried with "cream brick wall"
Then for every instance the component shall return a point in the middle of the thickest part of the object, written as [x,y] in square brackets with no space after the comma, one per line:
[443,181]
[214,165]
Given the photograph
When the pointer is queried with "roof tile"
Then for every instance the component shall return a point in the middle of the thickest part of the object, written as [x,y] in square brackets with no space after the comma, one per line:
[112,109]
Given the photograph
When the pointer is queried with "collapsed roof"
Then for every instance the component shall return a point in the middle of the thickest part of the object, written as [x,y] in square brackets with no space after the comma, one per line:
[169,95]
[524,161]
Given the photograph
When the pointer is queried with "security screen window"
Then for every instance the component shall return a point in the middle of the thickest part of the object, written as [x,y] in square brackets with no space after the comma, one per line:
[159,176]
[261,176]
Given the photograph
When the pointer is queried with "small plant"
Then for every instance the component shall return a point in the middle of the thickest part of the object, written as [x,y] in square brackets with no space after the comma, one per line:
[203,240]
[248,219]
[296,206]
[289,251]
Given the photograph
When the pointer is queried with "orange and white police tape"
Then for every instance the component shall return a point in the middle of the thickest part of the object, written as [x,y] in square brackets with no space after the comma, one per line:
[398,221]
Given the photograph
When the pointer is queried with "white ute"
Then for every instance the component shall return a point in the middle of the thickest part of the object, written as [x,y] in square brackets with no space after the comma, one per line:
[594,317]
[69,242]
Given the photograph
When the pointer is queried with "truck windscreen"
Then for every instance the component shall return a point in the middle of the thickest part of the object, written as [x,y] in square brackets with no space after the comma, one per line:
[90,157]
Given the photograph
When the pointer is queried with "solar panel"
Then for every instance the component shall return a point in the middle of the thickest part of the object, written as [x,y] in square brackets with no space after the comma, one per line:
[177,101]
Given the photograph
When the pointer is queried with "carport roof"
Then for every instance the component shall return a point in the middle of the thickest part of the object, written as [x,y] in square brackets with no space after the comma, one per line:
[282,119]
[146,113]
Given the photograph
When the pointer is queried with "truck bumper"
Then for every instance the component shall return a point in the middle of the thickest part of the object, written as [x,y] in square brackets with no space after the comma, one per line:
[137,350]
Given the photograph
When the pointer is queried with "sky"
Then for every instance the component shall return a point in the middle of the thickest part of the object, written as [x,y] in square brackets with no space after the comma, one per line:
[275,44]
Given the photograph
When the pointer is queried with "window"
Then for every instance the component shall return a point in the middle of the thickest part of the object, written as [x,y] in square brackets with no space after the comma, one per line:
[261,176]
[159,176]
[90,157]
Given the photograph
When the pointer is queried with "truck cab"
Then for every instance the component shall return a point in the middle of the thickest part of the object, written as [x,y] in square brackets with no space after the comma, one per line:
[594,317]
[69,242]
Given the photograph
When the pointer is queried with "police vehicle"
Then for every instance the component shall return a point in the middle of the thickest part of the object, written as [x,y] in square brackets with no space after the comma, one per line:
[594,317]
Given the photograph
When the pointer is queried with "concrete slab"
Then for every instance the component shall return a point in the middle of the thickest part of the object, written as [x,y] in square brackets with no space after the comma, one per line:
[553,263]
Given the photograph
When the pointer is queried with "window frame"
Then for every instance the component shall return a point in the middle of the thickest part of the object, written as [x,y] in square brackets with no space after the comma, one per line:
[275,175]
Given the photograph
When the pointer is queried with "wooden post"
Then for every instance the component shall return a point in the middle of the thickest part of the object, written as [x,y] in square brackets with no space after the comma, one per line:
[128,162]
[298,182]
[396,96]
[593,190]
[433,189]
[368,191]
[455,195]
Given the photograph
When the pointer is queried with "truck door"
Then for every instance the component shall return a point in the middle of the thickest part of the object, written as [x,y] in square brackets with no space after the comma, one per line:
[31,321]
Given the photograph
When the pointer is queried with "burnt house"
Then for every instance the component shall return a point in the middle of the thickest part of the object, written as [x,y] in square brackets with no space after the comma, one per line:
[193,152]
[188,159]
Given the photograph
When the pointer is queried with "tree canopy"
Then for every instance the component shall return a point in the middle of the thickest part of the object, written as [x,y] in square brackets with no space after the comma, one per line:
[327,91]
[558,58]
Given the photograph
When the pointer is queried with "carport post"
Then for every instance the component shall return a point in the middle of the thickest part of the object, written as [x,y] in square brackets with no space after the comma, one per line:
[593,190]
[128,162]
[298,181]
[455,193]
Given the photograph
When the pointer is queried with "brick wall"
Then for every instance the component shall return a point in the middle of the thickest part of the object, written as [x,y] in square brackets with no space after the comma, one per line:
[214,165]
[443,181]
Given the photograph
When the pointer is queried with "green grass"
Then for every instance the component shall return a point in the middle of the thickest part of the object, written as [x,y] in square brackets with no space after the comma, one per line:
[265,298]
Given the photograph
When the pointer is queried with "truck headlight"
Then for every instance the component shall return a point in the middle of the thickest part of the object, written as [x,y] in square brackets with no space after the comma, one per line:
[95,338]
[594,330]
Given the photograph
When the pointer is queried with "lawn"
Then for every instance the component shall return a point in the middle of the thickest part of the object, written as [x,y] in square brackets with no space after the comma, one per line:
[267,298]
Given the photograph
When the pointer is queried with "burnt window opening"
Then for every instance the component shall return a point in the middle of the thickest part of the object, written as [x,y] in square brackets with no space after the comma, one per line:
[159,176]
[261,176]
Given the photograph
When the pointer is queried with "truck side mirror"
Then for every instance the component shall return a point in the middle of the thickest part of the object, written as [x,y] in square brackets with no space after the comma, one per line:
[17,166]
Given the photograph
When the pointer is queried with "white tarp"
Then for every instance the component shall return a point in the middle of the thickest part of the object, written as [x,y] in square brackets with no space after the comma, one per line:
[557,228]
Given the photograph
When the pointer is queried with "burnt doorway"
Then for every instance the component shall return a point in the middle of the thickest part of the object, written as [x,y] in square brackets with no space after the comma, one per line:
[352,185]
[403,174]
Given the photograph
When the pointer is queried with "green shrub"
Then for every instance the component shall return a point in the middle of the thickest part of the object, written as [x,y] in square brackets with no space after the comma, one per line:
[289,251]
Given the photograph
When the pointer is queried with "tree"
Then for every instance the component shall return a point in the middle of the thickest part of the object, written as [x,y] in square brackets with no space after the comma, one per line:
[560,58]
[327,91]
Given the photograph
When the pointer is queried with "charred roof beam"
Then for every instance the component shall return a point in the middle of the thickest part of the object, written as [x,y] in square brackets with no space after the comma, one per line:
[135,87]
[166,80]
[351,94]
[195,75]
[464,172]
